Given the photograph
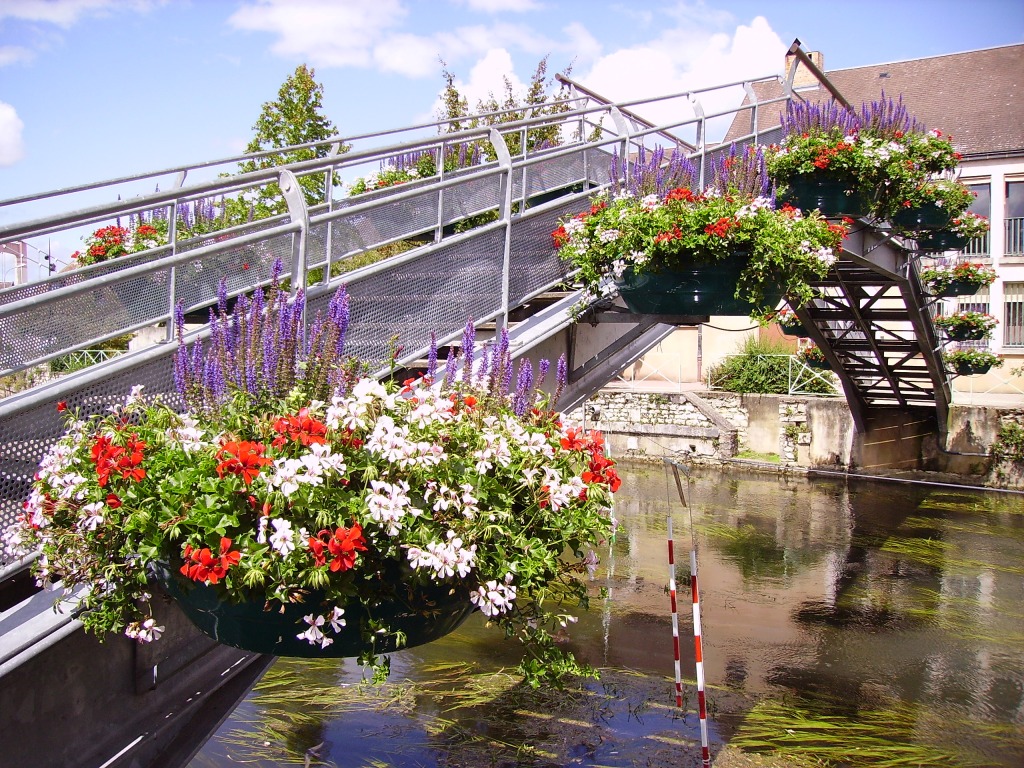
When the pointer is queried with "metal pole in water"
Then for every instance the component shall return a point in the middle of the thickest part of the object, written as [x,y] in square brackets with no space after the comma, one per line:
[702,711]
[675,613]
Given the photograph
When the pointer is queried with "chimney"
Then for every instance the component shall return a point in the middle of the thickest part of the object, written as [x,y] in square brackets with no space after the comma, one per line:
[804,78]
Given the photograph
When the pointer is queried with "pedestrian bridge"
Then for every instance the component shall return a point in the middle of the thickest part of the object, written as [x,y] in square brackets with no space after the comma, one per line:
[475,244]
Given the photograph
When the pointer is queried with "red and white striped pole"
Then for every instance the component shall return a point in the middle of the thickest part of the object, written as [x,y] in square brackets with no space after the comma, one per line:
[675,613]
[705,750]
[702,709]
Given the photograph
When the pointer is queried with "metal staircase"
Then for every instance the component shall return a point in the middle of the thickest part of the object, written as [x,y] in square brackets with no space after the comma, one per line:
[874,326]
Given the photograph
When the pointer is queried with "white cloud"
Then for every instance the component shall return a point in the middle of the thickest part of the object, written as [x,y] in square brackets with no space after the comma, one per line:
[12,54]
[500,6]
[686,58]
[64,13]
[326,34]
[12,148]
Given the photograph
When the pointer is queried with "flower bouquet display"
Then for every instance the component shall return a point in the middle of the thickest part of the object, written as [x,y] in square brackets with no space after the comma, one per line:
[840,161]
[961,279]
[966,326]
[298,507]
[724,250]
[969,362]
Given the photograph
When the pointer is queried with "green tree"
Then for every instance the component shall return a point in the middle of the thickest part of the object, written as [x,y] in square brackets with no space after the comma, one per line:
[294,118]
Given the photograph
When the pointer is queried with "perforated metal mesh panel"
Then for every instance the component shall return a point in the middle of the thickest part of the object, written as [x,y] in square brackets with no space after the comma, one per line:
[75,276]
[471,197]
[535,263]
[51,326]
[438,292]
[351,233]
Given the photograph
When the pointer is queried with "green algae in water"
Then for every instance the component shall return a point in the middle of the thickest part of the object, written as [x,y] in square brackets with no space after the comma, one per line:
[872,738]
[758,554]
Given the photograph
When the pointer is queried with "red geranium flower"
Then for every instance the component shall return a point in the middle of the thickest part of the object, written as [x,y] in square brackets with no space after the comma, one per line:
[241,457]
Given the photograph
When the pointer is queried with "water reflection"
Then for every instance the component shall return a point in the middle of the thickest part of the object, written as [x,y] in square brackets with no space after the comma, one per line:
[890,610]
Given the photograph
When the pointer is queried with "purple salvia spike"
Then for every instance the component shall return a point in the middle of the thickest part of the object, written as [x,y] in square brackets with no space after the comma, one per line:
[524,387]
[486,372]
[561,377]
[468,340]
[506,376]
[340,313]
[451,364]
[432,356]
[180,371]
[222,296]
[543,367]
[179,319]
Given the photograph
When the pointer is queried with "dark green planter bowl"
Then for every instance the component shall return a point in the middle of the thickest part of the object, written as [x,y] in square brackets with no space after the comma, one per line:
[970,369]
[941,240]
[698,290]
[959,288]
[794,329]
[825,194]
[926,218]
[818,365]
[966,334]
[427,614]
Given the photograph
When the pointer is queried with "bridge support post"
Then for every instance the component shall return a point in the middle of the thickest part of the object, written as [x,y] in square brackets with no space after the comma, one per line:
[896,439]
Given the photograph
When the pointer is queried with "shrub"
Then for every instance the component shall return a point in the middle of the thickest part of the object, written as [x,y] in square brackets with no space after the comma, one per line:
[761,367]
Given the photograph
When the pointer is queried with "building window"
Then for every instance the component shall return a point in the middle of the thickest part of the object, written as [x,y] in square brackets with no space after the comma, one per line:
[1013,314]
[1014,218]
[982,206]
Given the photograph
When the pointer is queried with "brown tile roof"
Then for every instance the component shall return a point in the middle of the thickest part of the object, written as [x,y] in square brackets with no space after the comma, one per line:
[977,96]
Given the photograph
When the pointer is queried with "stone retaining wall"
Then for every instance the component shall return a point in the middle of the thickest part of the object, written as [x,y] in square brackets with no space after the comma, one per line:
[801,431]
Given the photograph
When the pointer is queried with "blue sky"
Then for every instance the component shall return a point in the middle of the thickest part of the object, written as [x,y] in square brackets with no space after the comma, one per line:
[92,89]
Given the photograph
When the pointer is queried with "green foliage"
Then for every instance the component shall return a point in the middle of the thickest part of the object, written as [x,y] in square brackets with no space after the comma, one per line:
[761,367]
[1009,443]
[294,118]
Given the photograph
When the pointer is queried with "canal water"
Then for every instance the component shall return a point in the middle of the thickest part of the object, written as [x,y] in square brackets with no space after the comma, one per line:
[859,622]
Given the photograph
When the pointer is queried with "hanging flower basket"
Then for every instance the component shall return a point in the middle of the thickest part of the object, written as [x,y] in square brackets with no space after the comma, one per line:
[966,326]
[789,323]
[422,614]
[698,290]
[880,152]
[724,250]
[962,279]
[830,196]
[972,362]
[813,357]
[300,507]
[971,369]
